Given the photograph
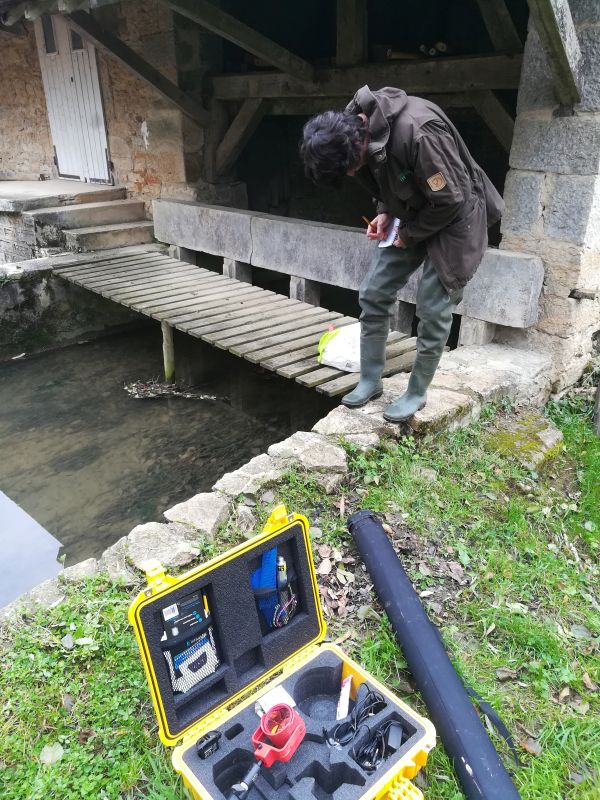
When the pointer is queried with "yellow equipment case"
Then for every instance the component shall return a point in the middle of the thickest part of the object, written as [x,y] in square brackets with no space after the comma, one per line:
[238,655]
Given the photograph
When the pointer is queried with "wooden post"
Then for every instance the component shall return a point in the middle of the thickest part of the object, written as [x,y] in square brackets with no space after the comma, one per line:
[168,351]
[351,23]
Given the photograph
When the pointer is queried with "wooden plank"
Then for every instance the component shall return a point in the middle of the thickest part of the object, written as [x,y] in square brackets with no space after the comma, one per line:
[164,295]
[294,323]
[186,310]
[553,22]
[422,76]
[215,327]
[229,27]
[293,356]
[241,299]
[495,116]
[254,327]
[295,368]
[321,375]
[500,26]
[254,352]
[352,32]
[216,299]
[140,278]
[128,58]
[302,106]
[91,266]
[109,268]
[146,280]
[258,356]
[245,122]
[242,317]
[347,382]
[138,272]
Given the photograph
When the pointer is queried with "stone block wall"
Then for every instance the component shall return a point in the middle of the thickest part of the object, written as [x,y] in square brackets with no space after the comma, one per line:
[25,143]
[145,132]
[553,200]
[17,238]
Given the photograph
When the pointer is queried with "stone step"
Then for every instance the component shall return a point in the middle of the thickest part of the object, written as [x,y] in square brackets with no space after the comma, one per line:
[103,237]
[85,215]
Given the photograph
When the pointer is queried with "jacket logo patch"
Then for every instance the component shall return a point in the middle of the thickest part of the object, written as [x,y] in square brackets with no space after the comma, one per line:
[436,182]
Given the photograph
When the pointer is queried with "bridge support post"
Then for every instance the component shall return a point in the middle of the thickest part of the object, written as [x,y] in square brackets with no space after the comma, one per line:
[237,270]
[305,290]
[402,316]
[475,331]
[168,351]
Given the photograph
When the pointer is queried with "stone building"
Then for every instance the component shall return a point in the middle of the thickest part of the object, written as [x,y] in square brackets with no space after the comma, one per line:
[204,101]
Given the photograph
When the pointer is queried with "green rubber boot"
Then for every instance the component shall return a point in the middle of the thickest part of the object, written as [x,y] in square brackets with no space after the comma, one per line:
[415,397]
[372,360]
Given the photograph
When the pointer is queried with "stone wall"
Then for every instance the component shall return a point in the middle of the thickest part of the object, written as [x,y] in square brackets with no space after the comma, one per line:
[553,200]
[145,132]
[25,143]
[17,237]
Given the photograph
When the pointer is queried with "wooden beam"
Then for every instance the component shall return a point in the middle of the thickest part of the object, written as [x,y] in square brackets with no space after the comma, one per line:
[15,30]
[118,50]
[416,77]
[351,27]
[500,26]
[239,132]
[495,115]
[228,27]
[556,29]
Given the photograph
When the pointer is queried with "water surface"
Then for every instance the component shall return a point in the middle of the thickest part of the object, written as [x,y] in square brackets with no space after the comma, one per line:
[88,462]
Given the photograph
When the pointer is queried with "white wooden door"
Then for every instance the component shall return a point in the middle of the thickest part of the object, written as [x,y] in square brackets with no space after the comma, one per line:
[73,99]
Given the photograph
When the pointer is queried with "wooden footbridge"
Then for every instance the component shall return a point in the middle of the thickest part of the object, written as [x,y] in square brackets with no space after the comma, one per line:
[275,332]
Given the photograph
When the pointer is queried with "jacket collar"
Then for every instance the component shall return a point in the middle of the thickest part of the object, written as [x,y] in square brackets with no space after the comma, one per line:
[379,129]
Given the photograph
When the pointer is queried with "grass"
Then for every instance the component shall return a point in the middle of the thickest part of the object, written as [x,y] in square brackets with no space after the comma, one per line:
[528,545]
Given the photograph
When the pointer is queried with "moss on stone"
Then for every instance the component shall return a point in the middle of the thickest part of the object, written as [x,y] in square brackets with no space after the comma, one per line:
[522,439]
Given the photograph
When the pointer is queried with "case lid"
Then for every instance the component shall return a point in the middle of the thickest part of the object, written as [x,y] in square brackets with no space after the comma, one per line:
[235,627]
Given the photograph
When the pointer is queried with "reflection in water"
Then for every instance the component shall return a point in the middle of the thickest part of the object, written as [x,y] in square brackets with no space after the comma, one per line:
[90,462]
[28,551]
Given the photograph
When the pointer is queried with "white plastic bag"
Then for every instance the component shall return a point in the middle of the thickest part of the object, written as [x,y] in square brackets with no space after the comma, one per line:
[340,348]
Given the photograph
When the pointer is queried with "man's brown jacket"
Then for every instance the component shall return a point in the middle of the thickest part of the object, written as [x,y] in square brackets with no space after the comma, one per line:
[421,171]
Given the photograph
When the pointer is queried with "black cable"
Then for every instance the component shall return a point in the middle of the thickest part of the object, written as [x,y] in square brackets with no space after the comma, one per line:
[378,745]
[345,730]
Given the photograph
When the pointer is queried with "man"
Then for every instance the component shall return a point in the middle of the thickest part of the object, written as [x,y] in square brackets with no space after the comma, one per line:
[411,158]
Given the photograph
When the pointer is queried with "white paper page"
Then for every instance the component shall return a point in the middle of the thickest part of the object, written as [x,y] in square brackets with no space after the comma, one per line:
[392,233]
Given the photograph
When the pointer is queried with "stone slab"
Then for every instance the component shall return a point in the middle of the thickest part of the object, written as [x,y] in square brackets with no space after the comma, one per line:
[206,229]
[312,451]
[531,439]
[344,421]
[524,206]
[173,545]
[250,478]
[17,196]
[205,511]
[505,289]
[572,212]
[81,571]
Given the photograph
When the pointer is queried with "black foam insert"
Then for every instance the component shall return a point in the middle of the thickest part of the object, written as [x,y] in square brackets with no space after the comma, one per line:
[317,770]
[246,647]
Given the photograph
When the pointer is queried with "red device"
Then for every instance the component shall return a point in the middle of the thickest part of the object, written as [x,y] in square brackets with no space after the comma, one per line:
[279,735]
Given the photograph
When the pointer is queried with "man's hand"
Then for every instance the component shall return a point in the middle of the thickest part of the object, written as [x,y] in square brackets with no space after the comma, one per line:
[378,227]
[399,242]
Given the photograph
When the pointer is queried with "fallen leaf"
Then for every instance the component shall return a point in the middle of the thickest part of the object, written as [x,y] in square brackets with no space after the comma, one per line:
[324,567]
[51,753]
[84,735]
[491,629]
[532,746]
[506,674]
[424,569]
[84,641]
[350,634]
[387,528]
[456,571]
[579,705]
[426,593]
[589,683]
[68,702]
[68,642]
[518,608]
[324,551]
[564,693]
[367,612]
[580,632]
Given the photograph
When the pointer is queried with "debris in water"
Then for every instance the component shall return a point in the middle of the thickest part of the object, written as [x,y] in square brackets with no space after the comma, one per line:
[148,389]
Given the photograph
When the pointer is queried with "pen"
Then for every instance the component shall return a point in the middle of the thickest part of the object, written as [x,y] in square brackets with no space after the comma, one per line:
[370,224]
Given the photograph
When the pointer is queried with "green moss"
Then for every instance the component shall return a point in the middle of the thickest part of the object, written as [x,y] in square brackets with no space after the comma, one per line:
[521,440]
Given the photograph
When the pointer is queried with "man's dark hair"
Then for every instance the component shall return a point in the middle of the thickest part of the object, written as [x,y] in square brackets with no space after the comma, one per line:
[332,143]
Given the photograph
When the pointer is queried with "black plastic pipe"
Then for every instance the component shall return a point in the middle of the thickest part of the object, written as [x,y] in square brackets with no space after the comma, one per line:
[480,770]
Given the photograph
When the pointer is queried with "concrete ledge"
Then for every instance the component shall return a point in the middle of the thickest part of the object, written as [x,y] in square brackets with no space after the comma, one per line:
[505,289]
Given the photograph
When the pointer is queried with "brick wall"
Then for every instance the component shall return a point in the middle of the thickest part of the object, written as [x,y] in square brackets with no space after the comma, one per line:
[25,144]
